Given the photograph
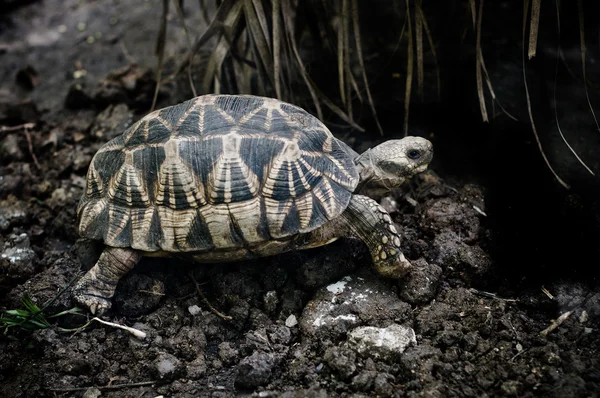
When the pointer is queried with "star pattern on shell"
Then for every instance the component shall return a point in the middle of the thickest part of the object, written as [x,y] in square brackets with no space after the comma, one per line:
[219,172]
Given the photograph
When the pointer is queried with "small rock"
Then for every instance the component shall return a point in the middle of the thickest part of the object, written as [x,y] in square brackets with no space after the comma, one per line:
[270,301]
[92,392]
[256,370]
[364,380]
[421,283]
[228,353]
[58,198]
[194,310]
[350,302]
[196,369]
[385,343]
[510,388]
[382,385]
[342,360]
[12,212]
[188,343]
[291,321]
[453,253]
[167,366]
[279,334]
[16,259]
[9,149]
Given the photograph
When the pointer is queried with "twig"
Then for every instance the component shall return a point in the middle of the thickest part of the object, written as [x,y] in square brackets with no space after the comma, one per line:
[213,309]
[17,127]
[556,323]
[30,146]
[516,355]
[547,293]
[150,292]
[137,333]
[115,387]
[126,53]
[491,295]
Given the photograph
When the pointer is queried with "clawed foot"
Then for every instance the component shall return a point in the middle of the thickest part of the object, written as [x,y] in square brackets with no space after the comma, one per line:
[86,295]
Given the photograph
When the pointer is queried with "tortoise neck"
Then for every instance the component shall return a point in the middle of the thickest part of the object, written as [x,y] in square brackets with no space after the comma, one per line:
[366,169]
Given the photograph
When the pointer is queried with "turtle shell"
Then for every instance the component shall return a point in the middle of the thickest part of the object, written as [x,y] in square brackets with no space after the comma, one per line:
[216,172]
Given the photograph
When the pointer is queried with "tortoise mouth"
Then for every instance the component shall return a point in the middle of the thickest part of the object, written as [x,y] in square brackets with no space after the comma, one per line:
[420,169]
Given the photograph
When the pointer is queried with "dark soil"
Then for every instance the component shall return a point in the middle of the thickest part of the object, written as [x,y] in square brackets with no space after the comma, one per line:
[467,321]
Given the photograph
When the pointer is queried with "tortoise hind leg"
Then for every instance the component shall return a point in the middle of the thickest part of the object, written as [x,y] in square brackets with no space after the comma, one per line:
[95,289]
[366,220]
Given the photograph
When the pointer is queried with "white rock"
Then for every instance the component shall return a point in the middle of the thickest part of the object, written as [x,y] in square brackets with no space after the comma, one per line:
[291,321]
[194,309]
[385,343]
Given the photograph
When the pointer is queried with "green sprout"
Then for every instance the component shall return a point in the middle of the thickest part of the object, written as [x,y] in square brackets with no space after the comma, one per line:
[31,317]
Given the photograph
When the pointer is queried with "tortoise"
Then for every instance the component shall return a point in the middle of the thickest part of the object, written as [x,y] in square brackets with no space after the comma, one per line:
[221,178]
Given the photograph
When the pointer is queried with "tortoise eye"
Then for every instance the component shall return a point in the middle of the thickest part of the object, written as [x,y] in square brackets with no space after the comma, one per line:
[413,154]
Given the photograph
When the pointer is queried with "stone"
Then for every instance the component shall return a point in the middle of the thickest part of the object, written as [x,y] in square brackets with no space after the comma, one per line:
[382,343]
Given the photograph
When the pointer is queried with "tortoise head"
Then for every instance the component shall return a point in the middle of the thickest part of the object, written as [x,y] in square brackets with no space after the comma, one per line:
[389,164]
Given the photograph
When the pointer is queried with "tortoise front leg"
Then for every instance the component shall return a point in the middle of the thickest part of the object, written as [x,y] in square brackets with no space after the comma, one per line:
[366,220]
[95,289]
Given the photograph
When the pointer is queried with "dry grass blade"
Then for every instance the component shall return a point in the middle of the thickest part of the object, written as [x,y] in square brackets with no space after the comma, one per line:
[554,94]
[349,79]
[276,48]
[432,46]
[473,12]
[419,43]
[361,62]
[583,51]
[534,27]
[341,114]
[478,63]
[224,12]
[160,49]
[222,47]
[340,58]
[262,20]
[535,133]
[243,72]
[262,54]
[409,69]
[204,11]
[189,43]
[287,11]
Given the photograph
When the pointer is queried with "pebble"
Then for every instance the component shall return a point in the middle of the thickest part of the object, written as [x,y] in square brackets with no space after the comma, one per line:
[256,369]
[384,343]
[17,257]
[291,321]
[166,365]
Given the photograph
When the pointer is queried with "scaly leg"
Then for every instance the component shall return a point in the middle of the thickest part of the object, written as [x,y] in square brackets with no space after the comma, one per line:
[95,289]
[366,220]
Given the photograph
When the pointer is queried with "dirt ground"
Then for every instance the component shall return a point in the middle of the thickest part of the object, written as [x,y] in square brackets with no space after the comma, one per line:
[316,323]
